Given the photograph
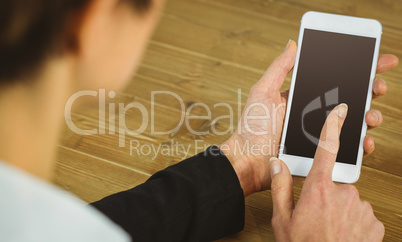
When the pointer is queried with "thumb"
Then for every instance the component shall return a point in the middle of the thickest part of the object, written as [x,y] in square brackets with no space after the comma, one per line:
[280,67]
[281,190]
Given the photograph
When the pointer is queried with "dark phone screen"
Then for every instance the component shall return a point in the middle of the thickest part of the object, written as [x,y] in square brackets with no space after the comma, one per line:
[333,68]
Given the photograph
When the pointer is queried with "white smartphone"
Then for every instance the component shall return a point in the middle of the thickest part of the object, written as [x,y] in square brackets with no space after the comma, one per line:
[336,63]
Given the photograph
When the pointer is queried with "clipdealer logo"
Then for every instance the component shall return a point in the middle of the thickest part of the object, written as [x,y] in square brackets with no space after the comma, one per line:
[330,99]
[147,117]
[254,113]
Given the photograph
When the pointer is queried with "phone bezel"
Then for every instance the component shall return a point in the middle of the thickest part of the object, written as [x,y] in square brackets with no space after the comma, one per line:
[301,166]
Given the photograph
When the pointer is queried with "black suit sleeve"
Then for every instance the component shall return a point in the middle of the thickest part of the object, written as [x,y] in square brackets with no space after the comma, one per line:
[198,199]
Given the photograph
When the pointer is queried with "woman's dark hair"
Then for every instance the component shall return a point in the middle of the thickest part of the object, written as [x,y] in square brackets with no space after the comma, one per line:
[33,30]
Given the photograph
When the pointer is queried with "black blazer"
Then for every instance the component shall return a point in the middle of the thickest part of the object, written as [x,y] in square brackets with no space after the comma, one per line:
[198,199]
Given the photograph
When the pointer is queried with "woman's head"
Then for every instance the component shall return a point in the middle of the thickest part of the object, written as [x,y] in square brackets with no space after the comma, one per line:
[105,38]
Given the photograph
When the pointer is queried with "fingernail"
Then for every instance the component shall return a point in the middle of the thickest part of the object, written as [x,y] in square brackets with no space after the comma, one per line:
[375,116]
[385,83]
[275,166]
[287,45]
[342,110]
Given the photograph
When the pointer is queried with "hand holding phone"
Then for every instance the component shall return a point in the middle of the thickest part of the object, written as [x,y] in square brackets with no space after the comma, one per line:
[336,63]
[253,171]
[325,211]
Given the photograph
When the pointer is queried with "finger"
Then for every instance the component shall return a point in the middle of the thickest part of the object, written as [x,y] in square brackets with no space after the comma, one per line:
[281,190]
[373,118]
[368,145]
[386,62]
[328,145]
[379,88]
[276,73]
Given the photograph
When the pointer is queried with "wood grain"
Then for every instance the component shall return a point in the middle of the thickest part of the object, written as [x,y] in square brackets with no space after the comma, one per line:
[205,51]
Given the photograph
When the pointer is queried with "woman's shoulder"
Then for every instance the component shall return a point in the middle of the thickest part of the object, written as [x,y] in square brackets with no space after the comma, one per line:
[33,210]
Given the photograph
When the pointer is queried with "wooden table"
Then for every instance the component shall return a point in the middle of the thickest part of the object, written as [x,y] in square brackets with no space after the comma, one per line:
[205,51]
